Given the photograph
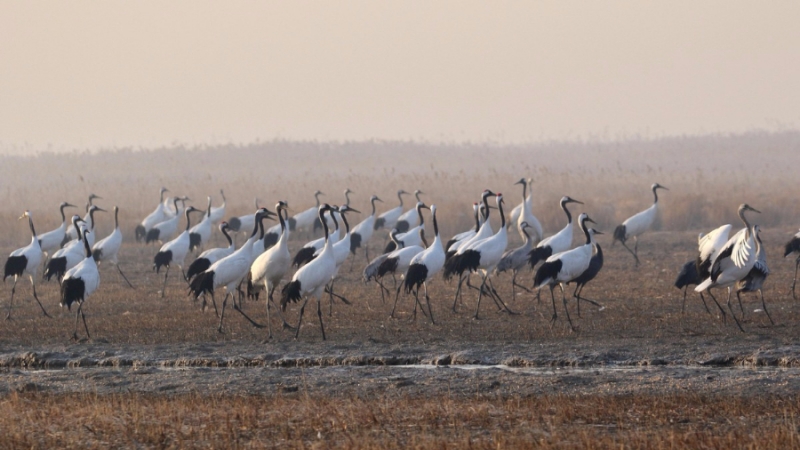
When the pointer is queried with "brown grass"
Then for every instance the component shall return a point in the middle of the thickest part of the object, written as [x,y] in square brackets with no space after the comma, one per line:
[299,421]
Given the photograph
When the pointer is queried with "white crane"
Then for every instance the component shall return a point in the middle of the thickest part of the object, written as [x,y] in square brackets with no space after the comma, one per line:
[157,216]
[228,272]
[793,246]
[525,215]
[734,262]
[24,261]
[72,233]
[212,255]
[410,218]
[304,220]
[516,258]
[245,222]
[638,224]
[564,267]
[412,236]
[311,279]
[79,283]
[174,251]
[371,270]
[595,264]
[484,256]
[270,267]
[71,254]
[52,240]
[362,233]
[164,231]
[306,254]
[695,271]
[107,248]
[218,212]
[557,243]
[387,219]
[397,262]
[201,233]
[341,250]
[754,280]
[424,266]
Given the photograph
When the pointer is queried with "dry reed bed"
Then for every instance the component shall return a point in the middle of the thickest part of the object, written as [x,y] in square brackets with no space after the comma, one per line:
[397,421]
[708,177]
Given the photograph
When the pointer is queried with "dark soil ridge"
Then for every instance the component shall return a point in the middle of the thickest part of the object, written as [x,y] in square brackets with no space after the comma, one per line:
[243,356]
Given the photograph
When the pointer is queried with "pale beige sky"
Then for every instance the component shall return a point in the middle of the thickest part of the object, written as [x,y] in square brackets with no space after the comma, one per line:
[90,74]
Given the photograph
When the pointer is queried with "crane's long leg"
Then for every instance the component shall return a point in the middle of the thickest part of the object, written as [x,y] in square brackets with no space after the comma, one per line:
[553,298]
[566,310]
[494,291]
[123,276]
[458,291]
[83,316]
[683,306]
[270,298]
[724,314]
[764,305]
[704,303]
[33,285]
[222,316]
[164,288]
[319,314]
[577,295]
[11,302]
[480,295]
[428,301]
[732,313]
[632,252]
[77,319]
[396,297]
[514,283]
[239,309]
[794,281]
[300,321]
[741,308]
[383,288]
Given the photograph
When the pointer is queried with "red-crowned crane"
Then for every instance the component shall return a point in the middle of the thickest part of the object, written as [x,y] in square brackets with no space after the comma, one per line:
[754,280]
[566,266]
[698,269]
[218,212]
[72,253]
[52,240]
[311,279]
[734,262]
[638,224]
[72,233]
[107,249]
[525,214]
[410,218]
[79,283]
[201,233]
[424,266]
[362,233]
[557,243]
[412,236]
[158,215]
[229,272]
[515,259]
[595,264]
[388,219]
[793,246]
[24,261]
[212,255]
[305,220]
[174,251]
[164,231]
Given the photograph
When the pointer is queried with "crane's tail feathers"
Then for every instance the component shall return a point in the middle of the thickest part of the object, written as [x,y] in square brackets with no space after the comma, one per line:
[390,247]
[55,267]
[687,276]
[72,290]
[792,246]
[197,266]
[355,242]
[97,254]
[292,223]
[547,273]
[290,293]
[152,236]
[539,254]
[234,224]
[15,265]
[194,241]
[270,240]
[416,275]
[379,223]
[402,226]
[389,265]
[162,259]
[202,283]
[303,256]
[619,234]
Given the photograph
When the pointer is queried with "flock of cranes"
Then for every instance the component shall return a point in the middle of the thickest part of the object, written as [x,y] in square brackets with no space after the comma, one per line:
[71,252]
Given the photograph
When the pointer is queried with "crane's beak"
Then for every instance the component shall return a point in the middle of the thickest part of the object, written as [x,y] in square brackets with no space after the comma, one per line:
[378,199]
[69,205]
[100,209]
[353,210]
[598,232]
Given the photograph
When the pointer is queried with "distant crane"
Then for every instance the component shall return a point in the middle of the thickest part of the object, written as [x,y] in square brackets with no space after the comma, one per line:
[79,283]
[159,215]
[362,233]
[24,261]
[52,240]
[793,246]
[389,218]
[174,251]
[107,248]
[638,224]
[754,280]
[409,219]
[424,266]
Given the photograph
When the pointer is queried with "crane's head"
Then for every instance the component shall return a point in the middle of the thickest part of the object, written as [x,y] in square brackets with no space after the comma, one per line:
[67,205]
[223,226]
[265,214]
[524,225]
[348,191]
[745,207]
[402,192]
[346,209]
[583,218]
[567,199]
[93,196]
[95,208]
[522,181]
[28,214]
[375,198]
[282,205]
[421,205]
[499,198]
[318,193]
[486,193]
[595,232]
[658,186]
[163,189]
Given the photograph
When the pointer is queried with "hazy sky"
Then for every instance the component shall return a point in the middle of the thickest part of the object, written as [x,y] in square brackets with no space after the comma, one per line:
[89,74]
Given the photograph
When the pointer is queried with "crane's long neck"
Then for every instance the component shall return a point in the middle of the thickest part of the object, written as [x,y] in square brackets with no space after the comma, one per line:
[284,229]
[586,232]
[526,236]
[502,216]
[256,226]
[419,213]
[224,201]
[208,208]
[91,219]
[33,231]
[346,224]
[477,219]
[188,222]
[63,217]
[116,217]
[373,206]
[400,196]
[324,225]
[316,196]
[347,198]
[161,196]
[175,203]
[78,230]
[746,223]
[655,195]
[436,240]
[227,236]
[486,208]
[566,211]
[335,222]
[86,244]
[524,190]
